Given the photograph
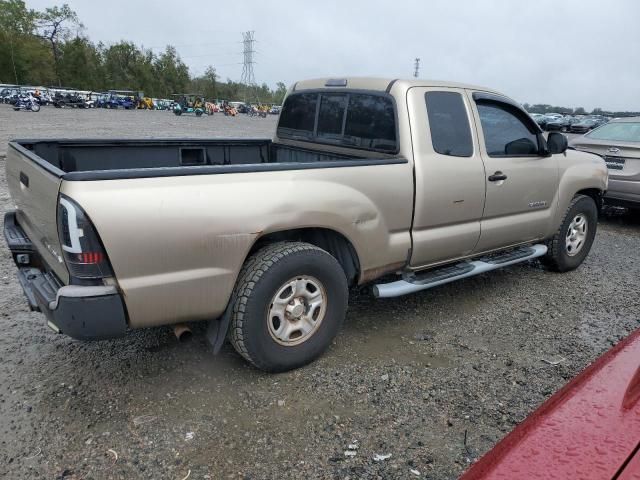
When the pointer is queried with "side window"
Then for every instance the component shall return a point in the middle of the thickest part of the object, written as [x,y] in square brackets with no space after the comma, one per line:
[449,124]
[505,135]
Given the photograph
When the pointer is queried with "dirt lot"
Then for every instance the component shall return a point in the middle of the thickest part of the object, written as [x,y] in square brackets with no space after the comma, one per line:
[407,377]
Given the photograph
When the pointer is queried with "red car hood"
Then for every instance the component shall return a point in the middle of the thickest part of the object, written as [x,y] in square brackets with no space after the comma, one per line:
[589,429]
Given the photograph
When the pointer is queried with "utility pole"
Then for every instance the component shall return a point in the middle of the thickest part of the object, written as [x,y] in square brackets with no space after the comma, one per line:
[416,66]
[248,78]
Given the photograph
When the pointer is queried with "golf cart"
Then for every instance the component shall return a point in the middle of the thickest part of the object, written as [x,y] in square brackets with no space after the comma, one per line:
[65,97]
[122,98]
[188,103]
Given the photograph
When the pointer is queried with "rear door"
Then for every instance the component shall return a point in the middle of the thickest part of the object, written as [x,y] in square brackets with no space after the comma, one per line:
[34,186]
[521,182]
[449,175]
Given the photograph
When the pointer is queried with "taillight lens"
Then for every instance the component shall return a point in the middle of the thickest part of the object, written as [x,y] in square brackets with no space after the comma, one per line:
[83,251]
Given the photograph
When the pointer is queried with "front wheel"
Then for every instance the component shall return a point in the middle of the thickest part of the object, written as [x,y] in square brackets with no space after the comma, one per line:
[35,107]
[288,305]
[571,243]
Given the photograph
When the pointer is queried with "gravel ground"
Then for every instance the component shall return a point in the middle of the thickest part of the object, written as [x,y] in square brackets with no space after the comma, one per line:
[407,377]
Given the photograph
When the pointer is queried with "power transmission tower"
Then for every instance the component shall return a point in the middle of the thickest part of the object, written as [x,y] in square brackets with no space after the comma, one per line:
[416,66]
[248,78]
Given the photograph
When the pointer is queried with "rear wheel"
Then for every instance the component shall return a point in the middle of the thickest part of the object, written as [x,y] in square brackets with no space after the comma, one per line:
[288,305]
[571,243]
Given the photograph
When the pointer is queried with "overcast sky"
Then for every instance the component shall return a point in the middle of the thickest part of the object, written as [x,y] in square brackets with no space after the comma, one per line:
[564,52]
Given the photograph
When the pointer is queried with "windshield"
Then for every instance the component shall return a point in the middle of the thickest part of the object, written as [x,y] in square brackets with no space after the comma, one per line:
[619,131]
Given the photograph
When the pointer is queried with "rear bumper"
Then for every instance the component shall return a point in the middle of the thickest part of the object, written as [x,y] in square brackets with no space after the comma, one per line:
[82,312]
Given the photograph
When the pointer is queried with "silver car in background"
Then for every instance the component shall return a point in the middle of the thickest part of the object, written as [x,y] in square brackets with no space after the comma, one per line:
[618,142]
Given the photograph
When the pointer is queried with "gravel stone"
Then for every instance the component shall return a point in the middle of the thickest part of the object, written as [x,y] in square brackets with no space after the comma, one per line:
[473,364]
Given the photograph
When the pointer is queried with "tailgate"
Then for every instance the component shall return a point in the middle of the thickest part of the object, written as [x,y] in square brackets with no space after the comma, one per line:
[34,191]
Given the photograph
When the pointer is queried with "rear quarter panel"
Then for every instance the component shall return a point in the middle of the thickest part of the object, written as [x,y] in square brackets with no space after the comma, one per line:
[176,244]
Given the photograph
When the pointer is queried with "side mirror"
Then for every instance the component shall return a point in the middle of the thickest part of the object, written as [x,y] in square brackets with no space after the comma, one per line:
[557,143]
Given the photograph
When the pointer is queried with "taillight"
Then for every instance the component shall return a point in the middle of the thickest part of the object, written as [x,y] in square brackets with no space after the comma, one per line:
[83,251]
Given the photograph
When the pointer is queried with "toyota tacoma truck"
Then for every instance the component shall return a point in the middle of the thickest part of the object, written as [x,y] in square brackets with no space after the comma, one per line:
[401,185]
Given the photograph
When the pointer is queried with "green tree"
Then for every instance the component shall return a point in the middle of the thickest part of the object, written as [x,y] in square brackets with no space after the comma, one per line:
[18,46]
[81,64]
[54,26]
[171,72]
[281,91]
[579,111]
[127,67]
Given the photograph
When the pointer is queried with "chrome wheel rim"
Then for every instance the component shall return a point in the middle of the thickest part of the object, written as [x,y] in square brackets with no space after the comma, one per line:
[576,234]
[297,310]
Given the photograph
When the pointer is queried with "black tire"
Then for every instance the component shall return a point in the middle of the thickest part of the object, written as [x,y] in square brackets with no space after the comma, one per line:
[558,257]
[262,276]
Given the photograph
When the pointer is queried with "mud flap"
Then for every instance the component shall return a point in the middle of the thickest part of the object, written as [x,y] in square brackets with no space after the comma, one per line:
[217,330]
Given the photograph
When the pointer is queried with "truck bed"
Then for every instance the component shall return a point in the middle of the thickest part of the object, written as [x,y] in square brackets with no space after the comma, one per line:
[111,159]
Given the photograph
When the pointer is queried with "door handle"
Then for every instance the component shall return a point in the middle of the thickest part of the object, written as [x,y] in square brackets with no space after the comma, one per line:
[24,179]
[496,177]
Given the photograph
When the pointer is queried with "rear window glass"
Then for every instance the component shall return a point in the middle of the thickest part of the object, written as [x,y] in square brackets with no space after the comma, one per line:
[331,114]
[449,124]
[617,131]
[356,120]
[299,114]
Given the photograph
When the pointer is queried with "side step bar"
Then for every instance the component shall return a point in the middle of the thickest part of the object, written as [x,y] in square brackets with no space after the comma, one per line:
[440,276]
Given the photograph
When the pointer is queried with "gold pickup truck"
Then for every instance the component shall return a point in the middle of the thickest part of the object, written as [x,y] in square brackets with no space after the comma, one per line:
[419,182]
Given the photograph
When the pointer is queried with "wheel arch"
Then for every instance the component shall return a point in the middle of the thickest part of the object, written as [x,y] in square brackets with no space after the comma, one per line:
[595,194]
[335,243]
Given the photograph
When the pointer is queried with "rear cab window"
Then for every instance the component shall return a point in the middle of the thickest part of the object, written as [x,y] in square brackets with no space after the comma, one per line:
[359,120]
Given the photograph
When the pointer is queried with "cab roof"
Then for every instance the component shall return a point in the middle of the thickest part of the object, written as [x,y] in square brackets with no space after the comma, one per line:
[379,84]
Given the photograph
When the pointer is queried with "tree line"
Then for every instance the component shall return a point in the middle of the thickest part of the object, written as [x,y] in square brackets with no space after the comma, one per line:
[545,108]
[49,48]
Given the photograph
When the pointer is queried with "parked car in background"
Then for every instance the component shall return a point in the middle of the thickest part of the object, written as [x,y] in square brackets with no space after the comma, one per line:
[588,430]
[585,125]
[365,178]
[618,142]
[10,95]
[559,124]
[275,110]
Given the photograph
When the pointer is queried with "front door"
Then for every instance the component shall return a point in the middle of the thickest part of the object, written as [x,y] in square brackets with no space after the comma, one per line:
[521,181]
